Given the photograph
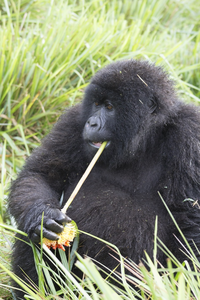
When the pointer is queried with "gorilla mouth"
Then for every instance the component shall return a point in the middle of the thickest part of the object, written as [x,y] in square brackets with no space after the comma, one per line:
[98,144]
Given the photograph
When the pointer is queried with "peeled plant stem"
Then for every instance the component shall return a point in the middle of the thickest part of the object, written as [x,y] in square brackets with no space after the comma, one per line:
[83,178]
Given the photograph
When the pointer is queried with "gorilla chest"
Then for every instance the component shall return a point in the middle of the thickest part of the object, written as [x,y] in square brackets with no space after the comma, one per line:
[118,210]
[123,192]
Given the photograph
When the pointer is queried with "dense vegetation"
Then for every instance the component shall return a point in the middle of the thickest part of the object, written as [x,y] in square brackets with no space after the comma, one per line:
[49,49]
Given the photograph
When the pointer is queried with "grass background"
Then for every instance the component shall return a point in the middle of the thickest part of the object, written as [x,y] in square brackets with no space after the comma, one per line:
[49,49]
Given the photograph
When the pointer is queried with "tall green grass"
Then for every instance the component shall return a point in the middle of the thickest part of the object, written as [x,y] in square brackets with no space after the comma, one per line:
[49,49]
[149,280]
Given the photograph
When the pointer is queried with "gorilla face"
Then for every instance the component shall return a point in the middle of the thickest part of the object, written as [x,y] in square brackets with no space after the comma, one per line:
[105,115]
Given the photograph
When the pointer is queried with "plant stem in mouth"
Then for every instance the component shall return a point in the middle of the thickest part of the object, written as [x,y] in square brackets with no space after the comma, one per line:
[83,178]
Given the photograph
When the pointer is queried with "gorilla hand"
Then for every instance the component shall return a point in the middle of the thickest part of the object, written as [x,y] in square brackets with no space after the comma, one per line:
[53,223]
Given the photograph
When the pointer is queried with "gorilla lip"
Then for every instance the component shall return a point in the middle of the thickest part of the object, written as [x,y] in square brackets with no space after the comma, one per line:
[97,144]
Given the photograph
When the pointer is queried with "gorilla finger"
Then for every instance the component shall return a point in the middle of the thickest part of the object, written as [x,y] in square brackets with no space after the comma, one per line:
[50,235]
[53,226]
[61,217]
[35,238]
[68,219]
[46,233]
[38,230]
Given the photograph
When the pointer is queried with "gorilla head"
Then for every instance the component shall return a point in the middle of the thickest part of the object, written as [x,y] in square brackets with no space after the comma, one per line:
[124,102]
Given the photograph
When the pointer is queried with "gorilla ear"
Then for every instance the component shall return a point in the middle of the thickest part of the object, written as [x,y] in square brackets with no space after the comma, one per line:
[152,104]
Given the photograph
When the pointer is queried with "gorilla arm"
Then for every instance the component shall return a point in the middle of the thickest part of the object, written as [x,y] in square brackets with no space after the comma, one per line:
[40,184]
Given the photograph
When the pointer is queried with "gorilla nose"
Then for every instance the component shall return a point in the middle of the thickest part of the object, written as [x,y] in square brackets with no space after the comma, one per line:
[94,122]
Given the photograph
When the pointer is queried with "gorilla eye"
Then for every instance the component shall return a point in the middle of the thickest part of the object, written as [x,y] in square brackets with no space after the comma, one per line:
[96,103]
[152,106]
[109,106]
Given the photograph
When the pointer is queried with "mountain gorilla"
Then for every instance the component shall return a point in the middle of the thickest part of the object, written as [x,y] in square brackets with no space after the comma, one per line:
[153,146]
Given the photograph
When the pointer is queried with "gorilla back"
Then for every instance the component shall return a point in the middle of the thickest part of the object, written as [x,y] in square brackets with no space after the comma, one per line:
[153,146]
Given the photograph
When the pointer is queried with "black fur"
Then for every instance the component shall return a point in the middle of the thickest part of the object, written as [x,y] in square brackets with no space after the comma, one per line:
[154,146]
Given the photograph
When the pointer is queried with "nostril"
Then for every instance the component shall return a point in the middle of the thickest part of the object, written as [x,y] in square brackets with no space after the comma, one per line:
[94,122]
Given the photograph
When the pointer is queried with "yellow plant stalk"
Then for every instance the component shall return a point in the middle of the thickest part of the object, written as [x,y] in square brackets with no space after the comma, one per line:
[70,229]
